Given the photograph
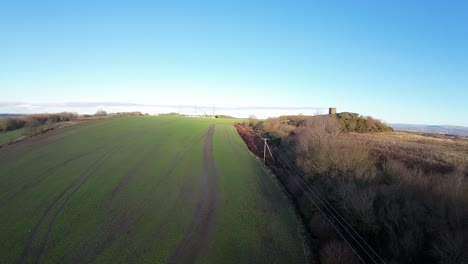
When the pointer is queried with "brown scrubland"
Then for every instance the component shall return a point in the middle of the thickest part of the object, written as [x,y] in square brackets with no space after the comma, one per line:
[405,194]
[36,122]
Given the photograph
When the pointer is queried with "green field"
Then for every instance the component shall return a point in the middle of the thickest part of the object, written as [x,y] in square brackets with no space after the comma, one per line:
[10,135]
[143,190]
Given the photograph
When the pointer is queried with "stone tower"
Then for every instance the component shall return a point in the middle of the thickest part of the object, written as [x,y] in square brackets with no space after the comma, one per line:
[332,111]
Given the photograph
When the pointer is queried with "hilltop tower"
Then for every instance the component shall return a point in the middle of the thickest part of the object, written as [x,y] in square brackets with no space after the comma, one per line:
[332,111]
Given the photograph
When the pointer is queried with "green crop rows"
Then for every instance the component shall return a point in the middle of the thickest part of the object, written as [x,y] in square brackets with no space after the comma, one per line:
[137,189]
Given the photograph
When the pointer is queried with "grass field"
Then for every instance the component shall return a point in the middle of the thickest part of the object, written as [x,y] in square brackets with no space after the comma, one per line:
[143,190]
[10,135]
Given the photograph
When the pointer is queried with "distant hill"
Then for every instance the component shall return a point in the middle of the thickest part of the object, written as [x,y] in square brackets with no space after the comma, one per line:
[10,115]
[447,130]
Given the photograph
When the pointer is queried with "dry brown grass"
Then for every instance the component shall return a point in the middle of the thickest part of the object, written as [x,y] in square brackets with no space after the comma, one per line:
[440,154]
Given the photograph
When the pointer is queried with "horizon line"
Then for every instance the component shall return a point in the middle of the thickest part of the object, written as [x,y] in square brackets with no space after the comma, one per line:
[25,104]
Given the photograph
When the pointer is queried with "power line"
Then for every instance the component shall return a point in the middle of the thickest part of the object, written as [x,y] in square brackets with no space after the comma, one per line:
[349,225]
[325,215]
[293,171]
[327,206]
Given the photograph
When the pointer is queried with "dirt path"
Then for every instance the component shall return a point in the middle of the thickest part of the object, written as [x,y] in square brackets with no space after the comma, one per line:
[197,235]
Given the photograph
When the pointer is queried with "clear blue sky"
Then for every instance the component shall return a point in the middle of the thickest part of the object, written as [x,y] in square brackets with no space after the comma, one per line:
[400,61]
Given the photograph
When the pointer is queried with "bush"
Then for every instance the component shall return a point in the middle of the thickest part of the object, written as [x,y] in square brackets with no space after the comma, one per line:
[408,214]
[338,252]
[11,123]
[100,112]
[34,126]
[353,122]
[321,152]
[31,121]
[277,128]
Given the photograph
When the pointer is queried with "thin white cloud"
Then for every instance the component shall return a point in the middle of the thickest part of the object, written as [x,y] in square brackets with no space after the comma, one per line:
[124,104]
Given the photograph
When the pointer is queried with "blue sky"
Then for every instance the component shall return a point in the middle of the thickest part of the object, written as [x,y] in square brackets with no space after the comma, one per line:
[399,61]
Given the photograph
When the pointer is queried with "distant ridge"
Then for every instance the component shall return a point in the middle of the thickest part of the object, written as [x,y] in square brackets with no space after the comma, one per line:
[10,115]
[447,130]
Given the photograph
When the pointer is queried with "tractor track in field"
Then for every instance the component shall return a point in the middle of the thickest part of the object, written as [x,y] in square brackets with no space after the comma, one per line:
[182,199]
[37,179]
[88,174]
[172,166]
[120,224]
[197,236]
[32,143]
[71,189]
[123,223]
[179,155]
[37,252]
[28,183]
[124,180]
[167,220]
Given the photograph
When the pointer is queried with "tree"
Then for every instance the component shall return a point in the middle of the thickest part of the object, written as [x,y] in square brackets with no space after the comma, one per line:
[101,112]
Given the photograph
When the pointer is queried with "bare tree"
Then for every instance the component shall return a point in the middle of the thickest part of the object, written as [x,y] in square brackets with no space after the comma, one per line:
[321,151]
[101,112]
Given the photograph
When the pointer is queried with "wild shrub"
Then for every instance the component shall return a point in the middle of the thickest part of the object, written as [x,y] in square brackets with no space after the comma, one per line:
[353,122]
[408,200]
[100,112]
[277,128]
[31,122]
[322,152]
[11,123]
[253,121]
[337,252]
[34,126]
